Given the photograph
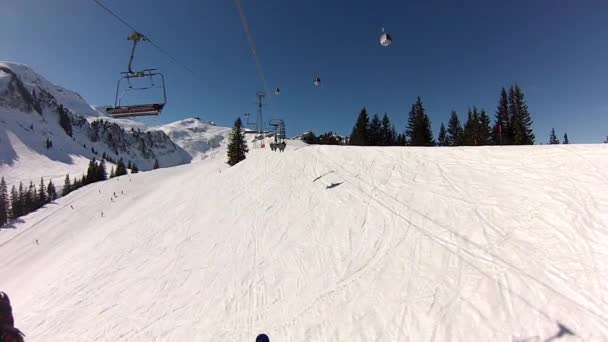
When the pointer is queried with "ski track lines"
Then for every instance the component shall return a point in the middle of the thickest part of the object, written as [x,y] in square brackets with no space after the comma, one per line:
[417,244]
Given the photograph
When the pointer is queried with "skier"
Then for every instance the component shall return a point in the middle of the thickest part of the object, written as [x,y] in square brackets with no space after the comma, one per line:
[71,206]
[8,332]
[37,242]
[262,338]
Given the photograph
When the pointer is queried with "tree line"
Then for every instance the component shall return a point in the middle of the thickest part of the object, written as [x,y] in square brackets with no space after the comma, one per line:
[22,200]
[512,126]
[327,138]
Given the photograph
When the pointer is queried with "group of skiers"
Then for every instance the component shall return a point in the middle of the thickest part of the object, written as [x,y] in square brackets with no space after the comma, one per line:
[278,146]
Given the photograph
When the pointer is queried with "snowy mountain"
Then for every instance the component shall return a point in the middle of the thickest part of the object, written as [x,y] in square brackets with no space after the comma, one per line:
[33,110]
[197,137]
[325,243]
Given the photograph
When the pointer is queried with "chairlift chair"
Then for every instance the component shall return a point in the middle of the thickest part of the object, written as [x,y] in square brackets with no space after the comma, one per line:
[122,111]
[385,38]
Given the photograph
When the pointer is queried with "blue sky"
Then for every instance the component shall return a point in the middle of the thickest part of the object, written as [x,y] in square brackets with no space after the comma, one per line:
[454,54]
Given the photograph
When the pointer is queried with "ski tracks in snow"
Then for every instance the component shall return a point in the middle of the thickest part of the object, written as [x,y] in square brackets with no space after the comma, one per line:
[471,257]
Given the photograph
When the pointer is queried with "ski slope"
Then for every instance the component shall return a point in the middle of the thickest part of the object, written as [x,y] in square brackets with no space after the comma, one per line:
[325,243]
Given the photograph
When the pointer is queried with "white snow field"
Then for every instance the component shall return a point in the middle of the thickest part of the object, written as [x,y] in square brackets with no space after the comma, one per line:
[325,244]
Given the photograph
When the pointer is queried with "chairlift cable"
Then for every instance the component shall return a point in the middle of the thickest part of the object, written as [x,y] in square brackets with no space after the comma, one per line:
[156,46]
[255,56]
[252,47]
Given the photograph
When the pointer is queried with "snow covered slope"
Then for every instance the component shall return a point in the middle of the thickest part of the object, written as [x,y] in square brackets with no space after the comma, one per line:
[29,115]
[200,139]
[324,243]
[197,137]
[37,83]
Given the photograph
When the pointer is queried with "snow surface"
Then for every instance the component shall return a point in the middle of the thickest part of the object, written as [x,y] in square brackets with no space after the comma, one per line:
[24,156]
[197,137]
[325,243]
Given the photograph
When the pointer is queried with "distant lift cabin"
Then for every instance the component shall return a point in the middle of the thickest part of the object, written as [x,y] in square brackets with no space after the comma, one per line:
[156,82]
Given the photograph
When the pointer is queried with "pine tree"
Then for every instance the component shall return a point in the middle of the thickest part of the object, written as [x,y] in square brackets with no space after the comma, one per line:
[129,165]
[485,129]
[401,139]
[442,139]
[418,129]
[30,198]
[359,135]
[52,192]
[375,132]
[454,131]
[471,135]
[22,195]
[553,138]
[392,139]
[42,197]
[16,210]
[4,203]
[134,168]
[91,176]
[521,120]
[388,133]
[67,186]
[121,170]
[566,141]
[76,184]
[501,129]
[156,164]
[102,174]
[606,141]
[64,120]
[237,147]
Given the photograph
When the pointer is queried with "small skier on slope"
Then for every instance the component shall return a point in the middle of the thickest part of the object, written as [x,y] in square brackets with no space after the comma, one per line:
[8,332]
